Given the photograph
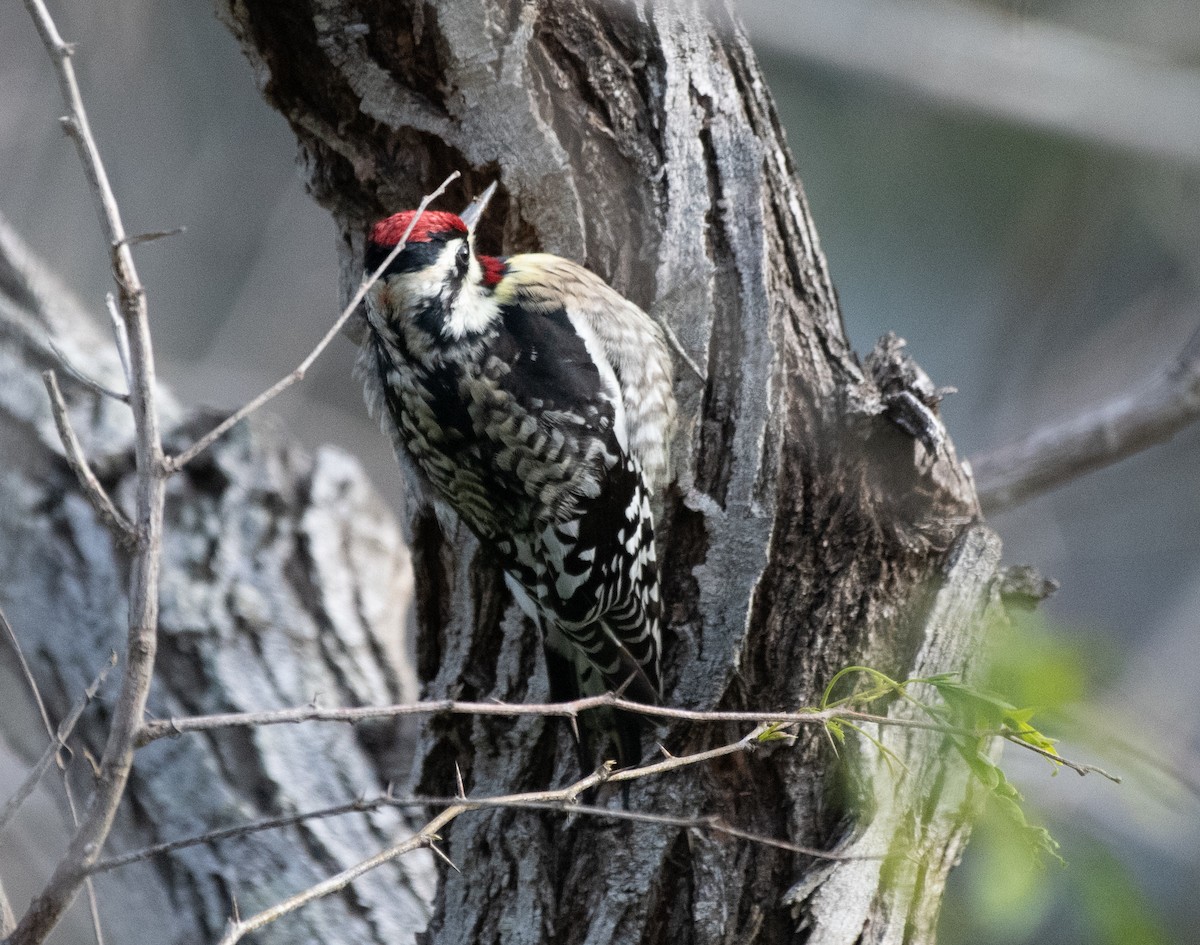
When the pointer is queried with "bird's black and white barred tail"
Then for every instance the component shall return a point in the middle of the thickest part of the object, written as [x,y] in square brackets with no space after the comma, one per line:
[592,583]
[536,403]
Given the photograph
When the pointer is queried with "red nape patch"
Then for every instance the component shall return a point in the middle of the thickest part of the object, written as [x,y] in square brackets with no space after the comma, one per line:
[432,222]
[493,270]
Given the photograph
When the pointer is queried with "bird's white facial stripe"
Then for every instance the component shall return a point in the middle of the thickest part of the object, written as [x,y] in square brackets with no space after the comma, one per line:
[474,308]
[427,284]
[469,310]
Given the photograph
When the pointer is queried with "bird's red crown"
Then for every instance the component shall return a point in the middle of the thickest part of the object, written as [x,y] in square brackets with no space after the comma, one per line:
[431,223]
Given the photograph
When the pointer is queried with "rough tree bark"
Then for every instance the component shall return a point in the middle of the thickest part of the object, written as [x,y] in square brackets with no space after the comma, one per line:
[285,580]
[806,531]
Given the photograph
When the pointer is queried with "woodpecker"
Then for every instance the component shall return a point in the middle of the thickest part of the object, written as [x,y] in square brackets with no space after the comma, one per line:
[535,402]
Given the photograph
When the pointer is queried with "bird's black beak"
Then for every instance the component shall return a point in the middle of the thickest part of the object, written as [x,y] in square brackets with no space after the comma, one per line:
[471,215]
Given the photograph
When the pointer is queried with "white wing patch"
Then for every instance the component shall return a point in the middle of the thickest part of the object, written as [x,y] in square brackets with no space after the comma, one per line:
[632,346]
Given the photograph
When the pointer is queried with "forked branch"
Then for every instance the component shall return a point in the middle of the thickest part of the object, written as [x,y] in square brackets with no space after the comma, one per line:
[117,759]
[99,500]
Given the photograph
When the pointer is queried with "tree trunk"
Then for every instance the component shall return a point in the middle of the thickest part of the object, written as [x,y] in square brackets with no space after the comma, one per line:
[806,531]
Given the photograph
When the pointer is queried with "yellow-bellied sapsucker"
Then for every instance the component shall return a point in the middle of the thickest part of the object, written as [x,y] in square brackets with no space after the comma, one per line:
[535,402]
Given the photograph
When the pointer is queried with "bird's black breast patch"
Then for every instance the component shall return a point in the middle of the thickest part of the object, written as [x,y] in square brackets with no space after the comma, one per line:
[446,402]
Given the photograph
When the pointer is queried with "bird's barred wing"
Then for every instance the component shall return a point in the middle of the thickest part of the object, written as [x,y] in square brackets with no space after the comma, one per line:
[546,417]
[630,341]
[516,437]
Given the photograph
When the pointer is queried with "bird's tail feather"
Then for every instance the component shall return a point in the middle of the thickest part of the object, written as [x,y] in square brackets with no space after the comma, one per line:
[573,675]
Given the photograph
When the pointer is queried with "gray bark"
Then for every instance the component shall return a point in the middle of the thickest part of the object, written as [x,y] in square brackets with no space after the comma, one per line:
[284,580]
[805,532]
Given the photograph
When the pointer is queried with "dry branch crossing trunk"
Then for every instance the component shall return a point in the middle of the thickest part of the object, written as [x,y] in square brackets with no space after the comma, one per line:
[806,531]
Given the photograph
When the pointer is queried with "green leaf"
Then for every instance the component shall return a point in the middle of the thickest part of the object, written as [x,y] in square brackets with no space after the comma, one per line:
[774,732]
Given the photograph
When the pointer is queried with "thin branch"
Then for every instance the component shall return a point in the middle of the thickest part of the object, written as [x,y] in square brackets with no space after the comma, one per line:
[175,463]
[8,921]
[76,125]
[139,238]
[26,672]
[675,343]
[121,337]
[1078,767]
[141,642]
[163,728]
[58,741]
[89,885]
[359,806]
[113,518]
[432,830]
[1056,454]
[90,382]
[710,823]
[238,928]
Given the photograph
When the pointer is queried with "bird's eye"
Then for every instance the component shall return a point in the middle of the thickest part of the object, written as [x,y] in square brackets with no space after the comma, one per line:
[464,257]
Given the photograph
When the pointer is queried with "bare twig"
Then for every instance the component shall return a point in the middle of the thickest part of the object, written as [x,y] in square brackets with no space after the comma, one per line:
[432,830]
[121,337]
[1076,766]
[710,823]
[675,343]
[177,462]
[8,921]
[238,927]
[90,382]
[138,238]
[26,672]
[57,743]
[359,806]
[89,885]
[109,514]
[86,845]
[1059,453]
[163,728]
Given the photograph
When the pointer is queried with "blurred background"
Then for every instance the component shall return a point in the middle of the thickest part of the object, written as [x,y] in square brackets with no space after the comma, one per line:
[1012,187]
